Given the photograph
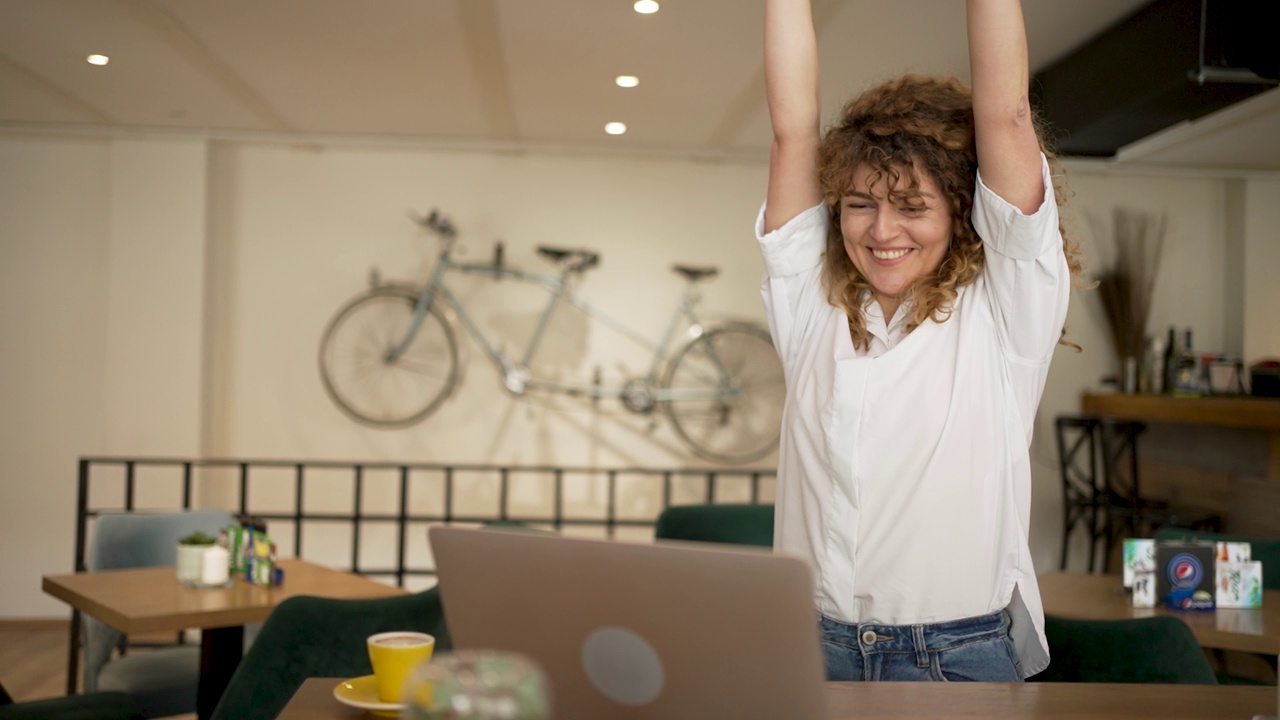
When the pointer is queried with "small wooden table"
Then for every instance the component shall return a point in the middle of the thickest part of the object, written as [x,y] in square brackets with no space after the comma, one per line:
[942,701]
[151,599]
[1102,597]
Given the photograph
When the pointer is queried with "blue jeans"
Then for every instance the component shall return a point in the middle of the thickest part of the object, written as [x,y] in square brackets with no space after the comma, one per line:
[971,649]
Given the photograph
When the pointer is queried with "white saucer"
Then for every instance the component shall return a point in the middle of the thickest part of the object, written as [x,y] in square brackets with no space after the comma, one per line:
[362,692]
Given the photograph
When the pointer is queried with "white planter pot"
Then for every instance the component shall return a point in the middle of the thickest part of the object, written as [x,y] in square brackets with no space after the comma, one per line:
[191,563]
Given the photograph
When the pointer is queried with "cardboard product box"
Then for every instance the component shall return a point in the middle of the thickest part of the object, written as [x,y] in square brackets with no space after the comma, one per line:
[1234,552]
[1185,577]
[1239,584]
[1144,589]
[1139,557]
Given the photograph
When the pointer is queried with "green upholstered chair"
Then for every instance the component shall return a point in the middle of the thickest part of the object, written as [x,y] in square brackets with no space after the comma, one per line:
[90,706]
[1157,649]
[308,637]
[724,523]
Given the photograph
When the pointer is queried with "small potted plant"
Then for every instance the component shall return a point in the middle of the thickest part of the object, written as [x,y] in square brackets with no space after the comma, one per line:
[191,550]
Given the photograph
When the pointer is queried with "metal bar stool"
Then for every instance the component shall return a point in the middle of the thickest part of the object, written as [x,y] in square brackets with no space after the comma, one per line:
[1128,514]
[1101,495]
[1078,463]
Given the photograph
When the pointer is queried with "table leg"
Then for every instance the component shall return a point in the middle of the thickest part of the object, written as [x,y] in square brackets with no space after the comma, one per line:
[73,654]
[1273,460]
[220,652]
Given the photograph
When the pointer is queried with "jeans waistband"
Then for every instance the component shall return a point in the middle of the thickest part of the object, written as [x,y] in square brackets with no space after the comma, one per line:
[875,637]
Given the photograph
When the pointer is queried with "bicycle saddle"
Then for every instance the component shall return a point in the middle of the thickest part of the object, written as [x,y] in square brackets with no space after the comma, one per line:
[695,274]
[574,259]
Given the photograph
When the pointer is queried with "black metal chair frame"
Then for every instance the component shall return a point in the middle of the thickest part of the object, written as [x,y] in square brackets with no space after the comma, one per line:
[1104,496]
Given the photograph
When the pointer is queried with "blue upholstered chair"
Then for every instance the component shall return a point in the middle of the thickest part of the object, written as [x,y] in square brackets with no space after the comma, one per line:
[161,681]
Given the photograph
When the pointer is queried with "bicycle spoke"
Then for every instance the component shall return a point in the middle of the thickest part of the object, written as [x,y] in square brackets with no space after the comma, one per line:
[355,363]
[733,392]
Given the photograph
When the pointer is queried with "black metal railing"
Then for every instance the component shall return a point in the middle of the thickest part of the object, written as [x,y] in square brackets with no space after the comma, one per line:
[410,495]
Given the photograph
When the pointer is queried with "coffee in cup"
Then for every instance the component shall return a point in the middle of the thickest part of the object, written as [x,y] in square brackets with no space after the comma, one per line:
[393,654]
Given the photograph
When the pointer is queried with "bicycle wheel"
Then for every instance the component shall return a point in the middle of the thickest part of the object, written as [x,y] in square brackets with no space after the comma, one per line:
[735,387]
[356,364]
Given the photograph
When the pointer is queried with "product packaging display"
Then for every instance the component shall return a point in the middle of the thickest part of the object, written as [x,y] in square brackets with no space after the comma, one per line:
[1185,576]
[1192,576]
[252,553]
[1139,570]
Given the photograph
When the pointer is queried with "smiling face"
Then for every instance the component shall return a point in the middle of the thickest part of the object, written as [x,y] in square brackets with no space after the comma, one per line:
[894,233]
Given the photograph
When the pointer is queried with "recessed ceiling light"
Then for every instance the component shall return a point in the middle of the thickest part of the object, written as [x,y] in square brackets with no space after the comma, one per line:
[627,81]
[98,59]
[646,7]
[615,128]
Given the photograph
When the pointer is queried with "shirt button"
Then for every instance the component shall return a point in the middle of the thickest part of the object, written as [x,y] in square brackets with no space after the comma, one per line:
[869,637]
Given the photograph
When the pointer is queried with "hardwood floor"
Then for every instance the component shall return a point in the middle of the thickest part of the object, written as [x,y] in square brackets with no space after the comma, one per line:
[33,659]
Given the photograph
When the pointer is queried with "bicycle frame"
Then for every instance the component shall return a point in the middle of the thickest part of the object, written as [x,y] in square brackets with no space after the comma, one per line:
[516,375]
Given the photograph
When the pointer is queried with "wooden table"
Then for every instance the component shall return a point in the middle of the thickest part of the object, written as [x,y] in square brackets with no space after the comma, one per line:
[1102,597]
[1044,701]
[151,599]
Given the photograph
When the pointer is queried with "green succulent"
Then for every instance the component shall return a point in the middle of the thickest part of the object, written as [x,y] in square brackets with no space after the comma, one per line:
[197,538]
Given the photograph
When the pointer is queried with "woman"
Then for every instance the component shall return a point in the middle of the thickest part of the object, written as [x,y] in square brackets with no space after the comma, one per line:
[917,284]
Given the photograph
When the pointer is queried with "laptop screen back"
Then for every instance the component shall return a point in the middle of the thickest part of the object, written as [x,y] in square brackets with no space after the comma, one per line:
[624,630]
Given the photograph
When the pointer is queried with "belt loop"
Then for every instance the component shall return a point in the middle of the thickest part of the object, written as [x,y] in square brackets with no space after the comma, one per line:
[922,652]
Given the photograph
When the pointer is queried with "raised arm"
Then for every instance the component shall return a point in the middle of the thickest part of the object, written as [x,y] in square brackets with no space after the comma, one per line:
[791,84]
[1008,152]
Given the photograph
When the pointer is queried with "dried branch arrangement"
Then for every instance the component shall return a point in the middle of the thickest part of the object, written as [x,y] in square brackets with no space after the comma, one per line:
[1125,285]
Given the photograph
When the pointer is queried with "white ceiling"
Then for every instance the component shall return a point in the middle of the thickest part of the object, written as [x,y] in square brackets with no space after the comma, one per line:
[510,74]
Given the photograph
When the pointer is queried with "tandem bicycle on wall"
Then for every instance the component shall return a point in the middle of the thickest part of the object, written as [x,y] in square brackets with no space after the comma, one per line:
[389,357]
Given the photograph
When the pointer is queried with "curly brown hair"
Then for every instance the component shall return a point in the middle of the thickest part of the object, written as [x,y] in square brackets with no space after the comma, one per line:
[905,126]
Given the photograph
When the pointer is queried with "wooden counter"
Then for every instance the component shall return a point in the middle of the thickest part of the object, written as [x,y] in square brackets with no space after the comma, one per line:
[1242,413]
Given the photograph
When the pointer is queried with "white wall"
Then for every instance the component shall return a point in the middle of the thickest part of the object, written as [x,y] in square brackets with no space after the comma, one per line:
[100,266]
[1191,291]
[304,228]
[54,201]
[1262,251]
[154,297]
[168,296]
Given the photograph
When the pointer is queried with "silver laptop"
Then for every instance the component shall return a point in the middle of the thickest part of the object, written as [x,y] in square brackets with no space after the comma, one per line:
[674,630]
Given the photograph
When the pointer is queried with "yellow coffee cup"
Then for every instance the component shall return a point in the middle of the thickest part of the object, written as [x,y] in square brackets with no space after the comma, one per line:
[393,655]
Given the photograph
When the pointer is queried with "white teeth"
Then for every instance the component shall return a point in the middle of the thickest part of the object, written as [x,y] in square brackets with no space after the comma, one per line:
[889,254]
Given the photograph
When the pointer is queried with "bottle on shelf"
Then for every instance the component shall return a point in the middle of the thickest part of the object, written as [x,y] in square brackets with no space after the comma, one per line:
[1152,376]
[1187,379]
[1169,372]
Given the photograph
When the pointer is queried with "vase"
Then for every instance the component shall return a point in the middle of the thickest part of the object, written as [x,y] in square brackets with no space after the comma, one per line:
[191,563]
[1128,375]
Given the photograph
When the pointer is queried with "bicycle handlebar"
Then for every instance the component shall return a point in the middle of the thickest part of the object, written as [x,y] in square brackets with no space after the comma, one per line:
[438,224]
[571,260]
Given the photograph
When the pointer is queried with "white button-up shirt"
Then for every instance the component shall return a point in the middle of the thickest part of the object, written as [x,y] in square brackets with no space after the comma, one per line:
[904,469]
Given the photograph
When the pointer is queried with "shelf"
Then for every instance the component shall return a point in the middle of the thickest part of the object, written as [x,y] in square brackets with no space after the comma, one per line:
[1241,412]
[1248,413]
